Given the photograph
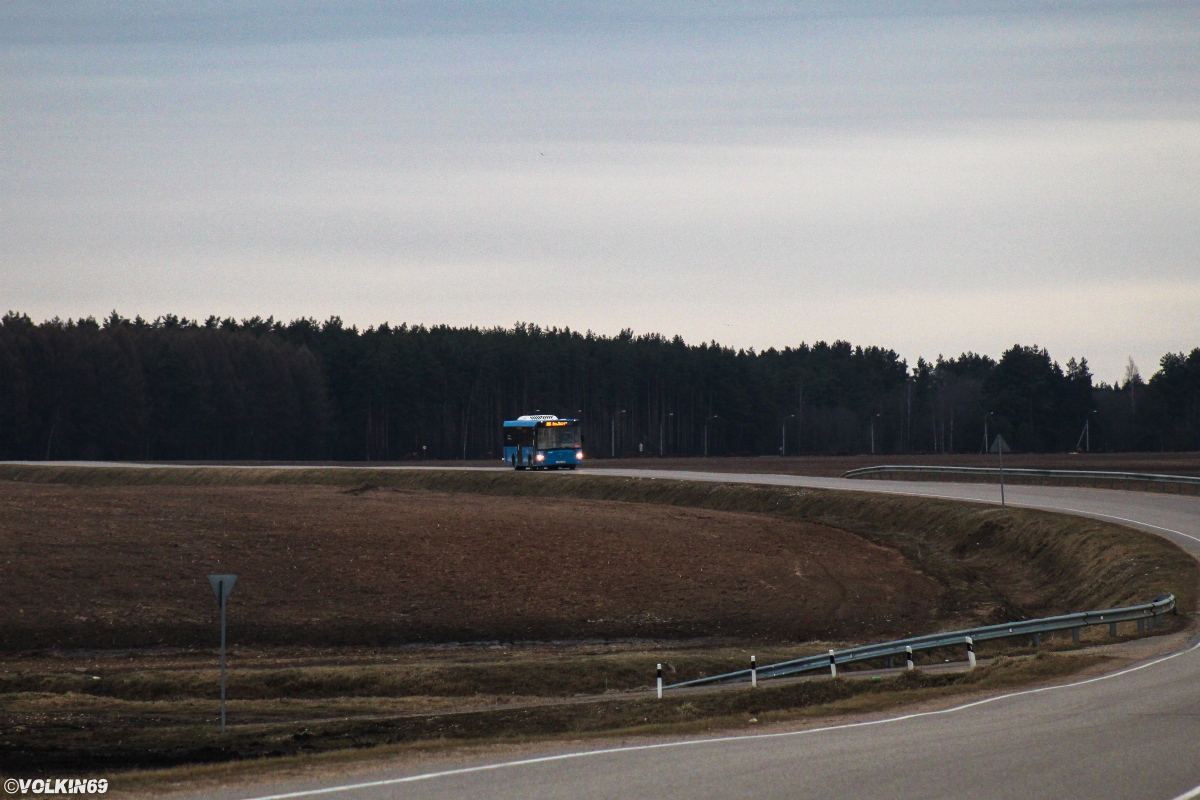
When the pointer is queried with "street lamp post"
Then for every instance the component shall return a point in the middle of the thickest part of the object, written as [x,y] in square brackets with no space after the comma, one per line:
[999,446]
[873,433]
[706,421]
[783,435]
[614,432]
[1000,453]
[661,425]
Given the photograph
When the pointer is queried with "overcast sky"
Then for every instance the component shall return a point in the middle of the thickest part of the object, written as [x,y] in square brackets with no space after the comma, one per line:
[933,177]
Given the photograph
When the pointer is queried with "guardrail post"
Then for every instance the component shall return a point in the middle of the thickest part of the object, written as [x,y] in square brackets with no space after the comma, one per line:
[753,673]
[1112,629]
[971,652]
[1141,624]
[660,681]
[1075,635]
[1037,640]
[832,665]
[908,657]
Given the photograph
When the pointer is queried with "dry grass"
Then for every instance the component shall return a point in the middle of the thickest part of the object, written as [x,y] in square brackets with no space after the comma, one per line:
[460,673]
[67,747]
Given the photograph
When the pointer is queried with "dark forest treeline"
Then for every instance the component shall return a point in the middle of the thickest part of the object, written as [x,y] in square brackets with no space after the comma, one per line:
[262,389]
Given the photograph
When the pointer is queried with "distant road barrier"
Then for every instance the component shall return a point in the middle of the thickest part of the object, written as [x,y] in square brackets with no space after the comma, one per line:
[1170,484]
[1146,615]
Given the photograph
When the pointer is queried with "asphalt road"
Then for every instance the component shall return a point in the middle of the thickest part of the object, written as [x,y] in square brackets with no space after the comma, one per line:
[1127,736]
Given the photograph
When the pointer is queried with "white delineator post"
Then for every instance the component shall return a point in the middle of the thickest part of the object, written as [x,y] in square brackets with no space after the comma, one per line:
[660,681]
[908,658]
[832,665]
[753,673]
[971,652]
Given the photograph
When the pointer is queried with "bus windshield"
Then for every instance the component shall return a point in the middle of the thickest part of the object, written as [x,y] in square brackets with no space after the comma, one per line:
[556,438]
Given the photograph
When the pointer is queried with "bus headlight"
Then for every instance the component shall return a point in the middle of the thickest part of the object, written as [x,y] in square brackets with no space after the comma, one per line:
[579,455]
[540,457]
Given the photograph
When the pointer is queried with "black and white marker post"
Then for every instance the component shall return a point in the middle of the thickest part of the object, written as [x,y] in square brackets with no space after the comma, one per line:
[832,665]
[660,681]
[908,658]
[753,673]
[222,586]
[971,652]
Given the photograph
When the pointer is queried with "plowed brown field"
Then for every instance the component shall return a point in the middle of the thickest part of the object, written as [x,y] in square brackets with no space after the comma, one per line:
[125,566]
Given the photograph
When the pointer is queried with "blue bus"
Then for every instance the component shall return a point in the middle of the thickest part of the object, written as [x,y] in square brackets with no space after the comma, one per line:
[542,441]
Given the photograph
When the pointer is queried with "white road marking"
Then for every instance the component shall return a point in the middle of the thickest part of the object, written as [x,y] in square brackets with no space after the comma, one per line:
[723,739]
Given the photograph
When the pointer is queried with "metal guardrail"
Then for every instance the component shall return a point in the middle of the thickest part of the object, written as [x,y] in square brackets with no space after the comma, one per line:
[1151,611]
[1181,482]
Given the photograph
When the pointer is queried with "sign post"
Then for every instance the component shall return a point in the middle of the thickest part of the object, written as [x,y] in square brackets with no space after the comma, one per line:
[222,586]
[1000,447]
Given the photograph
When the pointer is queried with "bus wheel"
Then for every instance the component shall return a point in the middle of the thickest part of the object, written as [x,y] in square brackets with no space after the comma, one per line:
[520,467]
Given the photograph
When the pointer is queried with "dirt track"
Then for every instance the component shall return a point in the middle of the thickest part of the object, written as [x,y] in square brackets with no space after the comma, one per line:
[125,567]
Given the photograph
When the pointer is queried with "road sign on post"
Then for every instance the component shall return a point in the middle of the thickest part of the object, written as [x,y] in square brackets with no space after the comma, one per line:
[222,586]
[1000,447]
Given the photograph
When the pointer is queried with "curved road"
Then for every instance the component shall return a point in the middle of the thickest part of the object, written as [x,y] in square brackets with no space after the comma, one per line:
[1132,735]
